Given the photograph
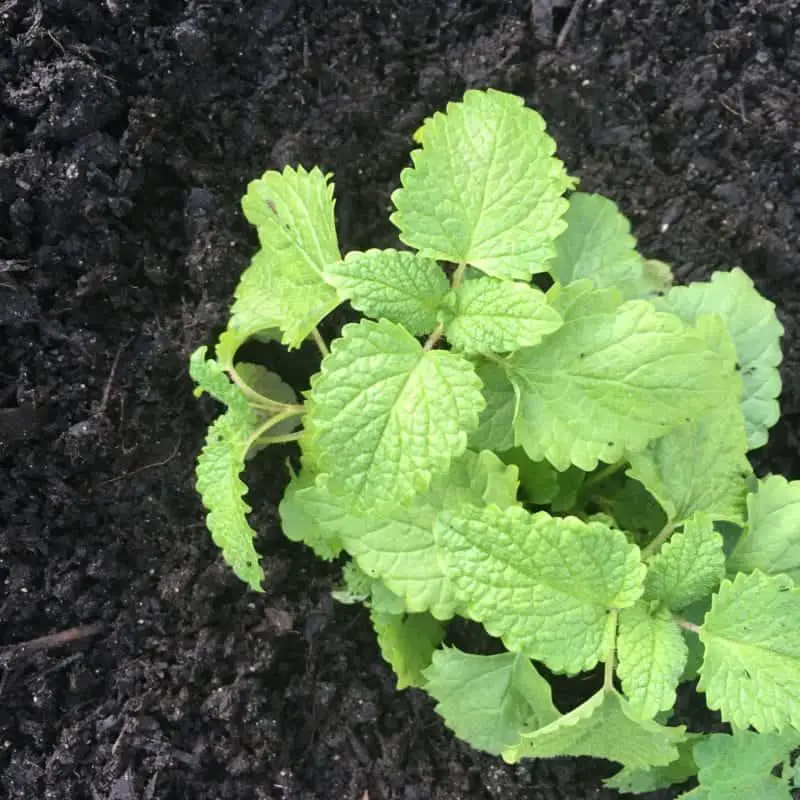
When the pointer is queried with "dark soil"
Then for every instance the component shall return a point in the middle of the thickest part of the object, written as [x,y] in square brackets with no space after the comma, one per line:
[128,131]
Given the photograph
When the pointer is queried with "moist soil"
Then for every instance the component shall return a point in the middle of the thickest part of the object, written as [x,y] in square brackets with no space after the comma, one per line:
[128,132]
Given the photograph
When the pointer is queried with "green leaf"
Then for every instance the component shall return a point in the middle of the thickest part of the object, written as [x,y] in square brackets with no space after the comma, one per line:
[408,643]
[284,286]
[396,285]
[489,700]
[688,567]
[496,427]
[602,727]
[756,332]
[607,383]
[771,542]
[634,509]
[219,466]
[652,655]
[544,585]
[639,781]
[399,546]
[598,245]
[388,415]
[739,767]
[271,387]
[492,316]
[485,188]
[751,669]
[701,466]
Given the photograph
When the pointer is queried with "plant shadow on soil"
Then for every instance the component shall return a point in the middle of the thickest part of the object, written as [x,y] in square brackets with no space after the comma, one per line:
[128,131]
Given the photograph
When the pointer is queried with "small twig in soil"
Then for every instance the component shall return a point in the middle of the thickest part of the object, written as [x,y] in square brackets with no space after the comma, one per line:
[570,22]
[12,651]
[162,463]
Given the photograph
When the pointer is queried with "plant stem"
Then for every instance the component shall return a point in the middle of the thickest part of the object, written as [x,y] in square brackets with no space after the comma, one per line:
[287,437]
[686,625]
[610,662]
[438,332]
[458,275]
[320,342]
[271,423]
[257,399]
[603,474]
[662,537]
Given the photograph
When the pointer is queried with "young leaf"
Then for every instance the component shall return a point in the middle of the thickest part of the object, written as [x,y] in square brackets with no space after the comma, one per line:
[740,766]
[399,546]
[408,642]
[751,669]
[485,188]
[598,245]
[771,541]
[639,781]
[756,332]
[688,567]
[388,415]
[219,466]
[489,700]
[496,426]
[492,316]
[397,285]
[652,655]
[284,285]
[358,587]
[602,727]
[607,383]
[543,584]
[700,466]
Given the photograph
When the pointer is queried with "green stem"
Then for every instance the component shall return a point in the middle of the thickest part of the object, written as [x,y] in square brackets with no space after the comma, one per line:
[438,332]
[458,275]
[287,437]
[605,473]
[256,399]
[271,423]
[662,537]
[686,625]
[610,662]
[320,342]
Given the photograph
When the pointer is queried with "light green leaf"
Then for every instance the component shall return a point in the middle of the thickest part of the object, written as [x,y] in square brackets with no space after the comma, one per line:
[284,285]
[271,387]
[219,466]
[400,286]
[639,781]
[602,727]
[755,331]
[652,655]
[607,383]
[496,427]
[488,700]
[399,546]
[485,188]
[493,316]
[739,767]
[771,542]
[634,509]
[688,567]
[700,466]
[388,415]
[544,585]
[408,643]
[598,245]
[751,669]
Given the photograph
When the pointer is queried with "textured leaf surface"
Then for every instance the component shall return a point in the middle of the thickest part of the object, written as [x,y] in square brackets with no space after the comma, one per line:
[598,245]
[399,546]
[771,542]
[638,781]
[488,700]
[408,642]
[652,655]
[397,285]
[485,188]
[219,466]
[751,669]
[388,416]
[543,584]
[602,727]
[608,382]
[284,285]
[493,316]
[496,426]
[739,767]
[756,332]
[688,567]
[701,466]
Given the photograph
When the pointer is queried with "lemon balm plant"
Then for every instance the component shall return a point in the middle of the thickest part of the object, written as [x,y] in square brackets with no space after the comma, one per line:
[567,467]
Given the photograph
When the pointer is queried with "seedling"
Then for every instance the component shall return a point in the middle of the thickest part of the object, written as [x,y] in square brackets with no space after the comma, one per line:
[529,428]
